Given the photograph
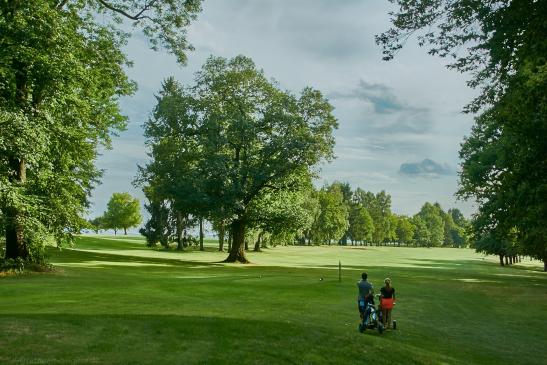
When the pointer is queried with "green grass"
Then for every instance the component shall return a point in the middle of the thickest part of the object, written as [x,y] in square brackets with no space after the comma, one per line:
[113,301]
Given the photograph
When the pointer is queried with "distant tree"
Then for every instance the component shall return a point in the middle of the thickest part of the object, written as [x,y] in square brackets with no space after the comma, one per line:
[379,208]
[332,222]
[405,230]
[430,215]
[172,172]
[220,226]
[457,217]
[422,236]
[96,224]
[312,208]
[448,226]
[504,246]
[123,211]
[161,225]
[360,224]
[392,230]
[347,194]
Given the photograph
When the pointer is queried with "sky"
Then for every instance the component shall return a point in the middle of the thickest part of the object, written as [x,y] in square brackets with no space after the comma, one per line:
[400,122]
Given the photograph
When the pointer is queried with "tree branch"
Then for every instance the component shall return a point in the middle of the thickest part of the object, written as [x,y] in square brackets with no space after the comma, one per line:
[61,4]
[137,16]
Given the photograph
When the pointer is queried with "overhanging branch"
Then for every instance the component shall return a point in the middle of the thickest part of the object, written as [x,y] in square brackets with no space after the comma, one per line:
[61,4]
[140,15]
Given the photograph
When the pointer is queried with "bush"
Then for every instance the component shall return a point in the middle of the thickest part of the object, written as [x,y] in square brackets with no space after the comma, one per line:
[12,265]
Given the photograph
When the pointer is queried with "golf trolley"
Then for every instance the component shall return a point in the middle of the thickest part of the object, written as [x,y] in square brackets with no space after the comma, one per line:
[372,317]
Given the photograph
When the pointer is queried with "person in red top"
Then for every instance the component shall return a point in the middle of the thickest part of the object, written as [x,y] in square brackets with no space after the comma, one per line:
[387,298]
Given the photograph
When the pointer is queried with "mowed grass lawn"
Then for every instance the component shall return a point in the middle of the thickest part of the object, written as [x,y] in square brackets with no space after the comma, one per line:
[114,301]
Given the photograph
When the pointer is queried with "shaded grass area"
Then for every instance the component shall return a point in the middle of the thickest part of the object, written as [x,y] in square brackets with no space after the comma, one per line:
[115,301]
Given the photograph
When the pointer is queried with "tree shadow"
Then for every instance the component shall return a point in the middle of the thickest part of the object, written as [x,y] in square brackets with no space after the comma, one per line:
[179,338]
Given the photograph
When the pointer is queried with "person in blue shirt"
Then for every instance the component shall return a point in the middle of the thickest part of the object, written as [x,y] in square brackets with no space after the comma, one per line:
[366,295]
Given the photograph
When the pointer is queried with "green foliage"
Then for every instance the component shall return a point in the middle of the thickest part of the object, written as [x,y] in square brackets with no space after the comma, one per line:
[431,217]
[505,166]
[422,236]
[223,144]
[96,224]
[332,221]
[379,208]
[62,73]
[361,226]
[405,230]
[158,229]
[282,214]
[347,194]
[123,211]
[491,40]
[503,44]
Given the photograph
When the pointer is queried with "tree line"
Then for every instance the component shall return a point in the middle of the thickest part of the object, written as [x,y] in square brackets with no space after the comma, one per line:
[331,215]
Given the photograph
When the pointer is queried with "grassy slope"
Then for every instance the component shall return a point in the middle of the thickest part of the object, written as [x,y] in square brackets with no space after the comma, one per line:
[114,301]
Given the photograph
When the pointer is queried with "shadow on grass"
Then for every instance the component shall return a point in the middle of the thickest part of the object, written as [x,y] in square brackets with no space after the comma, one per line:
[94,258]
[178,338]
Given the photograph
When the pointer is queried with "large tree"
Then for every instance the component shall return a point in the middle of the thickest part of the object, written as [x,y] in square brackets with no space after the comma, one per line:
[505,169]
[243,137]
[503,45]
[62,72]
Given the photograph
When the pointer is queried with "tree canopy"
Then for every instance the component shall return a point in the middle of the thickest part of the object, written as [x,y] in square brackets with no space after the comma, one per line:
[491,40]
[236,137]
[62,73]
[503,45]
[123,212]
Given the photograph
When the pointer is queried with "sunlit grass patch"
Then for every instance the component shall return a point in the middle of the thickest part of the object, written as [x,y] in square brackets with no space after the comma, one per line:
[111,301]
[99,264]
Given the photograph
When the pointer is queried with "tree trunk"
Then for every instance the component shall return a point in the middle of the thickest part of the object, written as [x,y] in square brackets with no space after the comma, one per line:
[258,242]
[246,244]
[179,229]
[115,231]
[229,240]
[501,260]
[16,245]
[221,231]
[506,261]
[545,264]
[201,234]
[125,231]
[237,254]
